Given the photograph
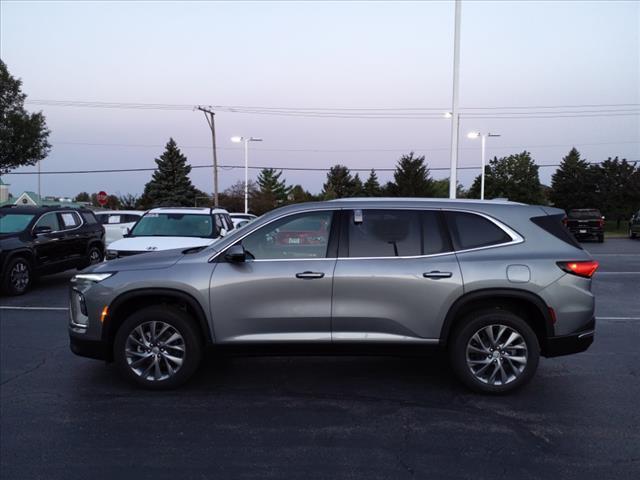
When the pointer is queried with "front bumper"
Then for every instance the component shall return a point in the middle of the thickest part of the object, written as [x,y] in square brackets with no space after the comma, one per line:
[89,348]
[573,343]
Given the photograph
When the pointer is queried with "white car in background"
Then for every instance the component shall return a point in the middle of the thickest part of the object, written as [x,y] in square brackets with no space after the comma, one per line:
[241,219]
[167,228]
[117,223]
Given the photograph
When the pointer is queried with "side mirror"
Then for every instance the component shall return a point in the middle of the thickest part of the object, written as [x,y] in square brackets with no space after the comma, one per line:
[42,230]
[236,254]
[126,232]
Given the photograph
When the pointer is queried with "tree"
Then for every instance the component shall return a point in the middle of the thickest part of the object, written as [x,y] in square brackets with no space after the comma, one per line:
[441,189]
[371,187]
[573,184]
[411,178]
[23,136]
[514,177]
[272,191]
[357,188]
[233,197]
[617,186]
[82,197]
[170,184]
[299,194]
[129,201]
[339,184]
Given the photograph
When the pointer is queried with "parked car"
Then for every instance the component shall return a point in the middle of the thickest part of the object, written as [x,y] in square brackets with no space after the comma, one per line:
[634,225]
[586,223]
[496,284]
[241,219]
[169,228]
[117,223]
[37,241]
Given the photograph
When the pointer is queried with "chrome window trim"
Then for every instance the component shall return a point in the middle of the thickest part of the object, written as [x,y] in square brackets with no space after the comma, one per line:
[56,212]
[516,238]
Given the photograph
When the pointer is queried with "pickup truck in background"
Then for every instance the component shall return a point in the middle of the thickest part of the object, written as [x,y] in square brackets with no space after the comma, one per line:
[585,223]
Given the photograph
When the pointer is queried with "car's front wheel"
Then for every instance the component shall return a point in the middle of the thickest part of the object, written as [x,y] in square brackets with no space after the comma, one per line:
[17,277]
[158,347]
[494,351]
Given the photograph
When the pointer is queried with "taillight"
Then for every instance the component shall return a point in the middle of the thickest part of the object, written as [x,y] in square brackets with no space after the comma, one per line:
[601,223]
[582,268]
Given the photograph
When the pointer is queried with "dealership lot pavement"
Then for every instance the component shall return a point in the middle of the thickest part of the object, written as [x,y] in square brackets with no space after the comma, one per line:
[67,417]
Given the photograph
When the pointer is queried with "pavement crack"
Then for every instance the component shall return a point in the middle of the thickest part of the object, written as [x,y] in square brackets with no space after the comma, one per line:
[40,364]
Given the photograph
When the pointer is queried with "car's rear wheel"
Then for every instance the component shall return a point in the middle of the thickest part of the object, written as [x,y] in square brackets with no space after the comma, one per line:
[632,235]
[600,238]
[494,351]
[17,277]
[158,347]
[94,256]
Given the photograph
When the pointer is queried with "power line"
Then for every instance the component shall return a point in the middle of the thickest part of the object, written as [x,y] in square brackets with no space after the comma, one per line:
[260,167]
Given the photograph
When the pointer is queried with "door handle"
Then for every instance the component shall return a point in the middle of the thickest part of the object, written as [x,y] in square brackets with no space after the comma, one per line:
[437,274]
[309,275]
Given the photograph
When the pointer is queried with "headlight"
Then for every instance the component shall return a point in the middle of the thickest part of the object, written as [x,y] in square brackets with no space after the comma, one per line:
[94,277]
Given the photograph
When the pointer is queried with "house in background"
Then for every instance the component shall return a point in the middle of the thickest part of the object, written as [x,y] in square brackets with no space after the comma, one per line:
[32,199]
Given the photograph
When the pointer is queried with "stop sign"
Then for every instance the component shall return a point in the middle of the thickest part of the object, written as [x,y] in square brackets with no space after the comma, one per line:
[102,198]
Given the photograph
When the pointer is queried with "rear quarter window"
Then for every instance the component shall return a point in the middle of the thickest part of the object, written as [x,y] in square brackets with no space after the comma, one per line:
[553,224]
[469,230]
[89,218]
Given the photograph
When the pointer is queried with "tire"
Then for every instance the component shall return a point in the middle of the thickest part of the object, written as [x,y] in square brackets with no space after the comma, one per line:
[94,256]
[18,276]
[470,358]
[600,238]
[137,359]
[632,235]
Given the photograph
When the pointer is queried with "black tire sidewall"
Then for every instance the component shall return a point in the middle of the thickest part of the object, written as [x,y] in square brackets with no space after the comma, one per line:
[6,281]
[178,319]
[469,326]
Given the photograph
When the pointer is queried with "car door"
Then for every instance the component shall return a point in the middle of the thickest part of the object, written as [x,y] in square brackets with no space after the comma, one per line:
[282,292]
[396,276]
[49,251]
[74,239]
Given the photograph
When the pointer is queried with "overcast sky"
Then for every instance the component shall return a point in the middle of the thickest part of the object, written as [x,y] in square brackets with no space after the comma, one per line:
[317,54]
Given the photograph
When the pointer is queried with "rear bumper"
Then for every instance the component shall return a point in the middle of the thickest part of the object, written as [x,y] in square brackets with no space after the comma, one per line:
[573,343]
[586,232]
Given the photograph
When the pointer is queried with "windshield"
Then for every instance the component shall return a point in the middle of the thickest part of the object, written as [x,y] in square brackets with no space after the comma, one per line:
[14,222]
[584,214]
[174,225]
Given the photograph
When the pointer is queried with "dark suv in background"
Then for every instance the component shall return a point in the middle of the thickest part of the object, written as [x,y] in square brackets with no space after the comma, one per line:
[586,223]
[634,225]
[37,241]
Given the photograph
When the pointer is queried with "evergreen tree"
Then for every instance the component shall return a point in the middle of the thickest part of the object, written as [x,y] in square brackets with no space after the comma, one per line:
[128,201]
[299,195]
[23,136]
[82,197]
[339,184]
[357,189]
[372,187]
[514,177]
[411,178]
[617,189]
[170,184]
[572,185]
[272,191]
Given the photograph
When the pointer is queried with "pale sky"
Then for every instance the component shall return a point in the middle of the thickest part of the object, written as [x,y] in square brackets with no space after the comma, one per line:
[317,54]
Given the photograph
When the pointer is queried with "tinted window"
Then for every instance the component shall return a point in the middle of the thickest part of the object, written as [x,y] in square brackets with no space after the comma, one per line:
[472,231]
[584,214]
[434,238]
[305,235]
[553,224]
[49,220]
[89,218]
[129,218]
[385,233]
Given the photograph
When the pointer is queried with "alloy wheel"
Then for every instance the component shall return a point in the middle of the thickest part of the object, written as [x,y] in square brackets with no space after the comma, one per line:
[155,351]
[496,354]
[19,276]
[94,256]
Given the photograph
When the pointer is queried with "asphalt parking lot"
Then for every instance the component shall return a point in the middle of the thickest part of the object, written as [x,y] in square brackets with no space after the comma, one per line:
[68,417]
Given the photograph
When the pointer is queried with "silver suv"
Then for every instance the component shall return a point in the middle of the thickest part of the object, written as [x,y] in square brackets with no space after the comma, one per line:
[495,284]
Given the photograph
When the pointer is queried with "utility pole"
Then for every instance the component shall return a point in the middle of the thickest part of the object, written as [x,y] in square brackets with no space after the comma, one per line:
[209,114]
[455,115]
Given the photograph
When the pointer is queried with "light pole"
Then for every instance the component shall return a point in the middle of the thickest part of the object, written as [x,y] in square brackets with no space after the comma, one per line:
[483,138]
[246,141]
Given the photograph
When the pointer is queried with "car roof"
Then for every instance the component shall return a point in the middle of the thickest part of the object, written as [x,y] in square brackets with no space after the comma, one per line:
[190,210]
[32,210]
[119,212]
[397,200]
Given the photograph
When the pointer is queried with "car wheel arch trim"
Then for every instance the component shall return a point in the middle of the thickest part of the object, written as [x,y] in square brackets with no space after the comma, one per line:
[495,294]
[108,334]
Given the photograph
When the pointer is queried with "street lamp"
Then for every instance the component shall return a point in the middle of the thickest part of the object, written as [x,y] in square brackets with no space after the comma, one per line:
[483,137]
[246,141]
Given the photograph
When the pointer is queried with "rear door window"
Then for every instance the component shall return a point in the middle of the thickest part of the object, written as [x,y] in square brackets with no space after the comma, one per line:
[469,230]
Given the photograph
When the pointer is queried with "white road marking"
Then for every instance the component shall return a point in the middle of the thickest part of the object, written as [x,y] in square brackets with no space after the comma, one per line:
[617,318]
[7,307]
[616,273]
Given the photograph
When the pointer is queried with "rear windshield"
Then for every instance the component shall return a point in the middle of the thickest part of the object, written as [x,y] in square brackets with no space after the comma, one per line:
[14,222]
[553,224]
[581,214]
[174,225]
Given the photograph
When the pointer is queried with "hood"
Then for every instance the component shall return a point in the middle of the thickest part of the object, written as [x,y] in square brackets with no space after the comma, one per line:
[156,244]
[142,261]
[6,236]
